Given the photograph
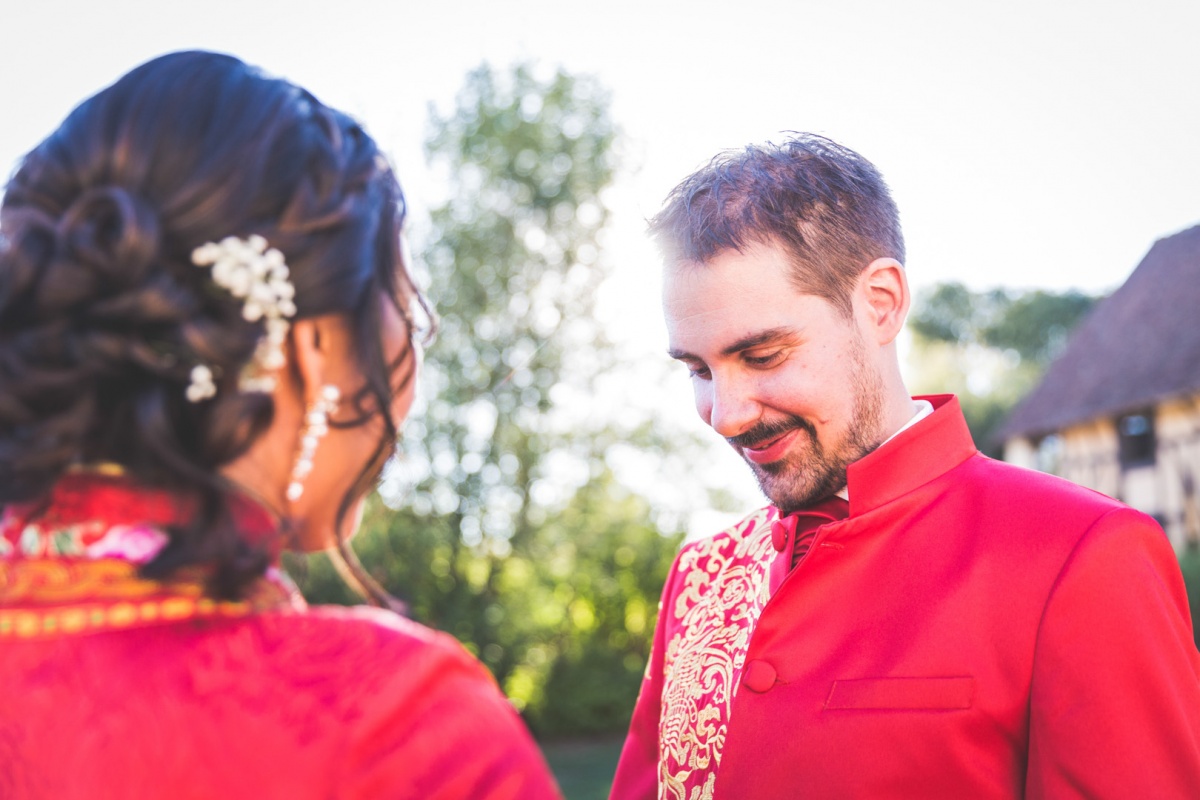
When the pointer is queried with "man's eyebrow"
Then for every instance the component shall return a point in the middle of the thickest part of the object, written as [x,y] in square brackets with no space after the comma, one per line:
[757,339]
[681,355]
[745,343]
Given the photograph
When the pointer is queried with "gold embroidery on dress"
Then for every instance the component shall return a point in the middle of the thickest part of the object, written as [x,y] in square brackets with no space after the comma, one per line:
[724,584]
[58,596]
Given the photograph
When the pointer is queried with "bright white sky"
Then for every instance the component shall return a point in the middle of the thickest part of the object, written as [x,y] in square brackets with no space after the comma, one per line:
[1028,143]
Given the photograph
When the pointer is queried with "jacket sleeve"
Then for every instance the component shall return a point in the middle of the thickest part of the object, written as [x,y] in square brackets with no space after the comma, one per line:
[1115,696]
[637,770]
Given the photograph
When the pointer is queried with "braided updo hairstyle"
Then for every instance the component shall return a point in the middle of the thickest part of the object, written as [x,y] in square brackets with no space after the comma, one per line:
[103,314]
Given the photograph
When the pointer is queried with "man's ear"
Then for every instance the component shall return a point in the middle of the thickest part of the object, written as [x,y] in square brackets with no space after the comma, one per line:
[883,290]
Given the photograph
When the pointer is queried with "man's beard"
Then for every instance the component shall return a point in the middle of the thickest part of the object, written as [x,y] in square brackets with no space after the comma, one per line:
[810,474]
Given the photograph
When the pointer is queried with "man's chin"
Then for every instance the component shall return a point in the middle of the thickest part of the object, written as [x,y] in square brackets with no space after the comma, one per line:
[789,496]
[767,471]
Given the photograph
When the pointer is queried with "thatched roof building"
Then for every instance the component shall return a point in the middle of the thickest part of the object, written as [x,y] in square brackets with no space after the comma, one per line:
[1135,349]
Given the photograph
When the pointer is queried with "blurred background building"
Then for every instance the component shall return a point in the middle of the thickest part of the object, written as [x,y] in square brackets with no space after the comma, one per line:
[1119,410]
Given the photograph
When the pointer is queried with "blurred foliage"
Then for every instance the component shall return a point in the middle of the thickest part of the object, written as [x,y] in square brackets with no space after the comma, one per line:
[1189,564]
[1032,324]
[517,538]
[989,347]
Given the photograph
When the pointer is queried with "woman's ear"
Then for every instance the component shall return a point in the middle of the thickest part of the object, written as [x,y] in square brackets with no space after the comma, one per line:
[320,347]
[308,356]
[266,469]
[883,288]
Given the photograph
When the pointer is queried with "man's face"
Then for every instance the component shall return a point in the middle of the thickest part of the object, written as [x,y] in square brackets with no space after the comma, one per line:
[782,375]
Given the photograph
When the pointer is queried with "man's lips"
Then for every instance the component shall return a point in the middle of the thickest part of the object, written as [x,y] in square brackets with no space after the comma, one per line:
[770,449]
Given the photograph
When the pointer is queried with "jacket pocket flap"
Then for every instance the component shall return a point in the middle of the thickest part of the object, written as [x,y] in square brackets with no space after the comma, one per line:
[901,693]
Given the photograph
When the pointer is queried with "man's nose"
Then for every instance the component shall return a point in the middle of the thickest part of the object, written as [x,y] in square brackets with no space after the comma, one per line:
[734,409]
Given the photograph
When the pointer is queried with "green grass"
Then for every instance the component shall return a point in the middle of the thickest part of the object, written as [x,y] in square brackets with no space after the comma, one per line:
[584,768]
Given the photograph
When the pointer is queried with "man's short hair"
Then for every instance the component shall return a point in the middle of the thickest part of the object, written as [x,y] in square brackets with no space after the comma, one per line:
[824,204]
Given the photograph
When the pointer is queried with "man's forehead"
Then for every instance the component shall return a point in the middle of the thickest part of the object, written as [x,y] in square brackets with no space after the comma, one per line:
[717,282]
[719,308]
[735,285]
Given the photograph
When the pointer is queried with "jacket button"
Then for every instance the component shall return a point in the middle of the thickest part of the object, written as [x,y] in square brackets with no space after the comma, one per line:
[758,676]
[780,531]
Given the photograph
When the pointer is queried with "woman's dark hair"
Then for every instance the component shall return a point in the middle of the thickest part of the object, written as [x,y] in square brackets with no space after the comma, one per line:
[103,314]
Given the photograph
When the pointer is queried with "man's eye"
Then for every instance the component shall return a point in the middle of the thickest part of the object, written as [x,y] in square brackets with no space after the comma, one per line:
[698,371]
[763,360]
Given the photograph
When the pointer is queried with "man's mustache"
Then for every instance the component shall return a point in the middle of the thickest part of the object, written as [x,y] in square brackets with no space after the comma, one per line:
[766,431]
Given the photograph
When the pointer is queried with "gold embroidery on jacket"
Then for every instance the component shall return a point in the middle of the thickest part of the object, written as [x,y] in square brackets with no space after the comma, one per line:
[723,585]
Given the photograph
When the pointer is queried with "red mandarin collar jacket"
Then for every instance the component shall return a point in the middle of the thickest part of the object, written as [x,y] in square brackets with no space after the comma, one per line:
[971,630]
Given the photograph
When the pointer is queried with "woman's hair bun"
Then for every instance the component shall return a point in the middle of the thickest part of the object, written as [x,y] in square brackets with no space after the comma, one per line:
[102,245]
[112,231]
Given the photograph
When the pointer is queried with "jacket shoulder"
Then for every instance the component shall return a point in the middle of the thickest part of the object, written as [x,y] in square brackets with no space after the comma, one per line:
[377,645]
[429,719]
[1034,511]
[1030,487]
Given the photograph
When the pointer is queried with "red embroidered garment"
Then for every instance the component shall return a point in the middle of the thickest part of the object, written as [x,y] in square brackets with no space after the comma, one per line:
[116,686]
[971,630]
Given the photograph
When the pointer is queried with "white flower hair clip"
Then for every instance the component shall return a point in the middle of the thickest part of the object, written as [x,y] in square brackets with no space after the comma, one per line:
[257,274]
[202,386]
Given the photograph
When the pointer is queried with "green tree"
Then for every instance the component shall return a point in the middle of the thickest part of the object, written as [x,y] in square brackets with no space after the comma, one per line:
[989,347]
[517,537]
[513,264]
[606,561]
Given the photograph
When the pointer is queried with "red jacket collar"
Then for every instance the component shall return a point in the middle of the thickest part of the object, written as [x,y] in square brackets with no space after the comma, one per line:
[917,455]
[108,500]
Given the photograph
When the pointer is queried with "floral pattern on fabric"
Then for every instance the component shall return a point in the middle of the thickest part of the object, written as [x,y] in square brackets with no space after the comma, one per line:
[135,543]
[722,585]
[70,565]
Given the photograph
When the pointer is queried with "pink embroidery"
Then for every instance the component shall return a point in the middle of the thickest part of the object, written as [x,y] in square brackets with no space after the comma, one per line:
[135,543]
